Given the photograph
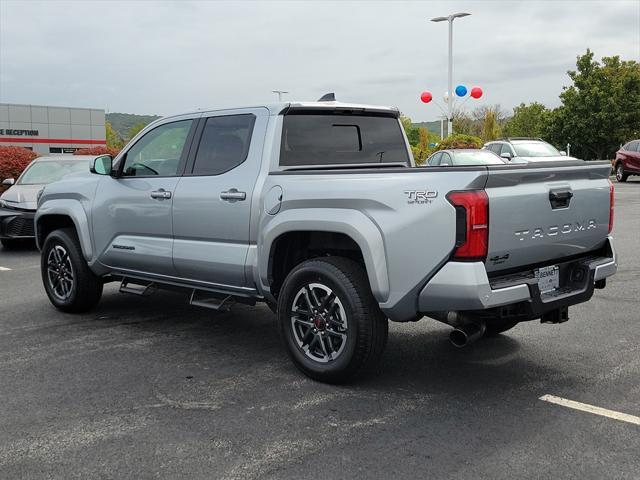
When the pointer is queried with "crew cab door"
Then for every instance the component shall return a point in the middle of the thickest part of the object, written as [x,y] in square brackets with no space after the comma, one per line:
[132,224]
[212,202]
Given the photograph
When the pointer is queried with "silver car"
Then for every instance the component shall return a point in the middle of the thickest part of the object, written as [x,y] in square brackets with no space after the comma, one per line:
[18,204]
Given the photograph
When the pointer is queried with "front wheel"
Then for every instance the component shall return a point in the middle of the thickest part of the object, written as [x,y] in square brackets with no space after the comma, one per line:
[70,285]
[620,175]
[331,325]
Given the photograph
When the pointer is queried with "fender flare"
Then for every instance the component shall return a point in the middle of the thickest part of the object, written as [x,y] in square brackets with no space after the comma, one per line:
[360,228]
[72,209]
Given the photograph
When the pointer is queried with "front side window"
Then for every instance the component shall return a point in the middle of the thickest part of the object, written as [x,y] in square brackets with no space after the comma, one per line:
[312,138]
[158,152]
[505,148]
[224,144]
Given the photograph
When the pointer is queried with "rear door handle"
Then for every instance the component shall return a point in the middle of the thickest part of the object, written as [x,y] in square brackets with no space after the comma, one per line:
[160,194]
[233,194]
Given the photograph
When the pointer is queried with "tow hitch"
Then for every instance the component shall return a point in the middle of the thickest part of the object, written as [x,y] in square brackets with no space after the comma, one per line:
[559,315]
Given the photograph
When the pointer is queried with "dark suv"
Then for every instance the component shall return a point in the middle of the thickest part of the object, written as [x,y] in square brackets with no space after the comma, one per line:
[525,150]
[627,161]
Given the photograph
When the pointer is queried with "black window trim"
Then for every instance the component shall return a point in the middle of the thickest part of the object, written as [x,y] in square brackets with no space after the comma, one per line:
[202,122]
[186,149]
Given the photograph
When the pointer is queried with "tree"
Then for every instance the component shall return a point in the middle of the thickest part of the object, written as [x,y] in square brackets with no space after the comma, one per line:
[464,124]
[133,131]
[528,121]
[490,124]
[459,140]
[413,135]
[601,110]
[113,138]
[13,160]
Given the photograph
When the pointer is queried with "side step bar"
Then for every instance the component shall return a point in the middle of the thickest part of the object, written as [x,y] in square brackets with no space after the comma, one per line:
[221,303]
[215,300]
[137,287]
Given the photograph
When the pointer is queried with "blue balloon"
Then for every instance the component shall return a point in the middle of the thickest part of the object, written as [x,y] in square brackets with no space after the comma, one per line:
[461,90]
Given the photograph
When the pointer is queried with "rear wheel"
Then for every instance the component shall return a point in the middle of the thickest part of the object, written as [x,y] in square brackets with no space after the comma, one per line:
[330,323]
[620,175]
[70,285]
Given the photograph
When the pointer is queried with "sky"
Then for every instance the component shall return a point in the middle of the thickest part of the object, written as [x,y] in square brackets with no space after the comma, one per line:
[165,57]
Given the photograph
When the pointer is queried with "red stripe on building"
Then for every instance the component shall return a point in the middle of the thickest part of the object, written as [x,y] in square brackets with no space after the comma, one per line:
[51,140]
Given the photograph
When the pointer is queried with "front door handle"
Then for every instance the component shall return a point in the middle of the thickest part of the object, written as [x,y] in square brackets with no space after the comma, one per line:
[233,194]
[160,194]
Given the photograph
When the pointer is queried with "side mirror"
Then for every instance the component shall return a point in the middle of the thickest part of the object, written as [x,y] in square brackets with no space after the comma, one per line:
[102,165]
[506,155]
[7,182]
[563,153]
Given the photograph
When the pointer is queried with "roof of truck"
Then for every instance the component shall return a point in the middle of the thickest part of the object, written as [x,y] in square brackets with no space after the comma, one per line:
[278,107]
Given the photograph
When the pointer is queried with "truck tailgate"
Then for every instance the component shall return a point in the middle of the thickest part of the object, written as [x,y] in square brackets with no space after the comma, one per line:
[541,213]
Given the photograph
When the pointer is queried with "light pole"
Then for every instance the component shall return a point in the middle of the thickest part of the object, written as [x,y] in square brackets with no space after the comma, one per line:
[450,19]
[279,93]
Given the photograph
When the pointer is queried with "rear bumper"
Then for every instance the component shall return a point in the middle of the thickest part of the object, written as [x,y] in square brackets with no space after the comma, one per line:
[460,286]
[16,224]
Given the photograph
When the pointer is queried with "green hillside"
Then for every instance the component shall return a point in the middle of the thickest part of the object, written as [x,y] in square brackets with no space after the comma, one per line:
[122,122]
[433,127]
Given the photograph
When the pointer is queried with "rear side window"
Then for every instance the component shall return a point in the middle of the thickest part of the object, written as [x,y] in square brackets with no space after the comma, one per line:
[224,144]
[325,139]
[434,161]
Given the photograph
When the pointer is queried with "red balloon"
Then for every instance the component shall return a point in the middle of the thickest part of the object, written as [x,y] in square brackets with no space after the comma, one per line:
[476,92]
[426,97]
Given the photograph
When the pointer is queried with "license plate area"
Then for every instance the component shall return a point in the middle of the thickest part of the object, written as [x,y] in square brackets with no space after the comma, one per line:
[548,278]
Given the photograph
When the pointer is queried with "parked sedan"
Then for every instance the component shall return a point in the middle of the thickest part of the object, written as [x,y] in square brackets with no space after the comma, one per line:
[18,204]
[627,161]
[467,156]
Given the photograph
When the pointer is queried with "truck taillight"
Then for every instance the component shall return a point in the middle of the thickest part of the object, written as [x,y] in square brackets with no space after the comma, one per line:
[611,202]
[472,224]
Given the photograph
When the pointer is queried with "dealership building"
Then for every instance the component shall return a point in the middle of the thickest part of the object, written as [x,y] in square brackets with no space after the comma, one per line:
[51,130]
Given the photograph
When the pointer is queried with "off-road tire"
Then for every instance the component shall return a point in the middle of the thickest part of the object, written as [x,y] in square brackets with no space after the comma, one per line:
[86,288]
[367,326]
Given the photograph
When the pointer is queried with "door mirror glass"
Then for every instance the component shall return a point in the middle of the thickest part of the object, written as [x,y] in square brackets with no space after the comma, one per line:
[7,182]
[102,165]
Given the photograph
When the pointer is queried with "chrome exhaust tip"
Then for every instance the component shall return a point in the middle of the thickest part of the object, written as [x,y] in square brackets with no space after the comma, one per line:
[466,334]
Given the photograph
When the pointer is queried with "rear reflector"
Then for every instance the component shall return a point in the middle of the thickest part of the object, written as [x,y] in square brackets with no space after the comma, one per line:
[611,202]
[472,224]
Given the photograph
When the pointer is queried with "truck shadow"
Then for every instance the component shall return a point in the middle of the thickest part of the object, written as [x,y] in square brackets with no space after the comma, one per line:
[418,357]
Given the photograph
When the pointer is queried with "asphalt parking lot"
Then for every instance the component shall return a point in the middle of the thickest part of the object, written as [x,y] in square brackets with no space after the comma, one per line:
[150,387]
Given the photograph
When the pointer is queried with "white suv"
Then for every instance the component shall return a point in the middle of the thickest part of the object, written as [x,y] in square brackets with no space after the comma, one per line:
[525,150]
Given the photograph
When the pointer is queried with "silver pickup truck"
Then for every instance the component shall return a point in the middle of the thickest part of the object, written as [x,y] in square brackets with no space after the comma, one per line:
[318,210]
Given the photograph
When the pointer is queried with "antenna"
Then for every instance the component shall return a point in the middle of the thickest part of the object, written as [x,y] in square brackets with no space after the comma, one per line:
[328,97]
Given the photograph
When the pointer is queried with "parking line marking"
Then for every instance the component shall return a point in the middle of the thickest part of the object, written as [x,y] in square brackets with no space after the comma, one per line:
[4,269]
[623,417]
